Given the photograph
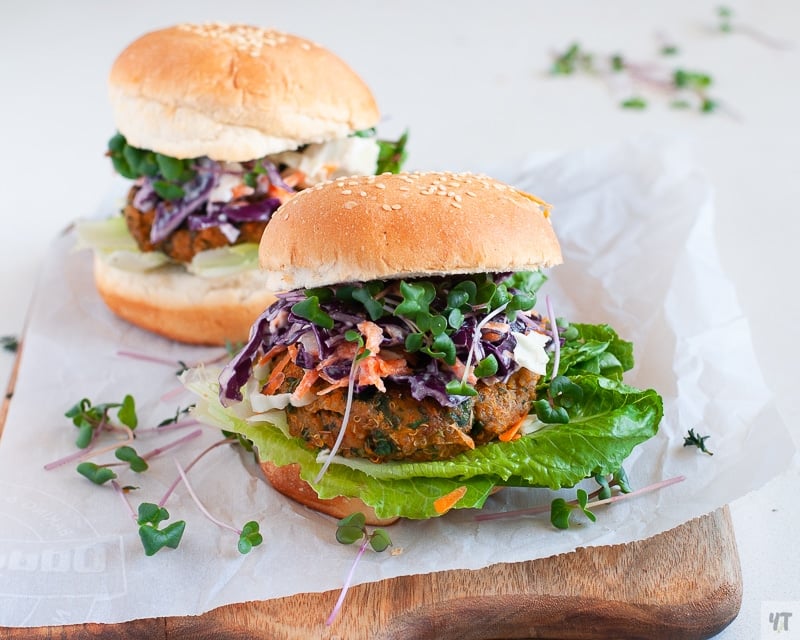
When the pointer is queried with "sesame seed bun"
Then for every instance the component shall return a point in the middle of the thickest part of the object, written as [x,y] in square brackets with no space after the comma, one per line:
[287,481]
[405,226]
[234,92]
[180,306]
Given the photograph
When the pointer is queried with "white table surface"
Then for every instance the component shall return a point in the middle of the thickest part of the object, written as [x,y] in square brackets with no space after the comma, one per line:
[470,81]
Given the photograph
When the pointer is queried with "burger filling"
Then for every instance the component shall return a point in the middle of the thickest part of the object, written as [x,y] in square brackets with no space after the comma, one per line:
[422,369]
[182,207]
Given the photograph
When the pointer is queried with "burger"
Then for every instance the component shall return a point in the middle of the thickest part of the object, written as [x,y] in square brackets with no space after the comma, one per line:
[404,370]
[218,125]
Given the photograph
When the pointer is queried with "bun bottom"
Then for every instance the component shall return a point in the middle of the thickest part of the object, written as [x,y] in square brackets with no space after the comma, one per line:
[172,302]
[287,481]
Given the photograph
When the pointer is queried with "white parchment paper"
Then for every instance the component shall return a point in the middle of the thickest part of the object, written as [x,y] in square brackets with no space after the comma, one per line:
[636,225]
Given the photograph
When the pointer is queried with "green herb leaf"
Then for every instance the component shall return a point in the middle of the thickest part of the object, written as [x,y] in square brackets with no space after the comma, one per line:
[416,298]
[96,473]
[127,412]
[392,155]
[458,388]
[153,539]
[379,540]
[442,347]
[583,499]
[565,393]
[167,190]
[249,537]
[486,367]
[9,343]
[351,528]
[548,413]
[129,455]
[150,513]
[559,513]
[696,440]
[414,342]
[170,168]
[634,103]
[310,310]
[374,307]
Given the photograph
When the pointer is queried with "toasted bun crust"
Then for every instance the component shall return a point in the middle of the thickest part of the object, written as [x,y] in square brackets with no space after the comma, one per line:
[180,306]
[234,92]
[287,480]
[405,225]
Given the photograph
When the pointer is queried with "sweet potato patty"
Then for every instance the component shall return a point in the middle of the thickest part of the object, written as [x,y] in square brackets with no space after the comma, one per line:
[183,243]
[395,426]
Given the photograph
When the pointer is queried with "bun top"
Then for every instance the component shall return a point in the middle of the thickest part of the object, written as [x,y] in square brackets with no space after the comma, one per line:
[234,92]
[404,226]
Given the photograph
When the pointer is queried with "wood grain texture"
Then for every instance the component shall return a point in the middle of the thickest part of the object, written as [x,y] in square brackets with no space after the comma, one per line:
[684,584]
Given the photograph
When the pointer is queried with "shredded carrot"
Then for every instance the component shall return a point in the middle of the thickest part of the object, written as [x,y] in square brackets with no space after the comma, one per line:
[275,380]
[373,334]
[276,377]
[458,370]
[276,192]
[241,190]
[293,177]
[512,433]
[372,369]
[308,380]
[449,500]
[271,354]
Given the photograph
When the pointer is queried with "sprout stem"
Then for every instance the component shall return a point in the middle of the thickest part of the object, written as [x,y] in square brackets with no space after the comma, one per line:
[347,582]
[159,450]
[118,490]
[189,466]
[199,504]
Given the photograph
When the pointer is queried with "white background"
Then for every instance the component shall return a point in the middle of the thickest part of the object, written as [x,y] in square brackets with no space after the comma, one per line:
[470,81]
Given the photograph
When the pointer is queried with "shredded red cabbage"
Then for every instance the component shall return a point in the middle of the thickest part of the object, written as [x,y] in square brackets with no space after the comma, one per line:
[195,209]
[278,325]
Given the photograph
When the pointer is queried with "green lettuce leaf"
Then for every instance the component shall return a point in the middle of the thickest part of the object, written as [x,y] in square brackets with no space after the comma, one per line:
[110,238]
[610,421]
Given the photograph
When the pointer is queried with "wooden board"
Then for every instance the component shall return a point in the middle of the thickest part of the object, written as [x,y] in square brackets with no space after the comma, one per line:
[683,584]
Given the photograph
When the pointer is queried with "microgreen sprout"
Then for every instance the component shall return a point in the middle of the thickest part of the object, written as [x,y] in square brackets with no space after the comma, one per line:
[696,440]
[96,473]
[684,88]
[560,510]
[149,517]
[9,343]
[572,60]
[361,352]
[350,530]
[91,419]
[249,535]
[725,14]
[168,173]
[154,538]
[532,511]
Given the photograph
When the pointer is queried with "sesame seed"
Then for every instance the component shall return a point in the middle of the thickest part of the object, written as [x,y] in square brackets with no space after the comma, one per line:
[457,198]
[363,194]
[403,189]
[380,185]
[386,207]
[456,205]
[471,194]
[346,192]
